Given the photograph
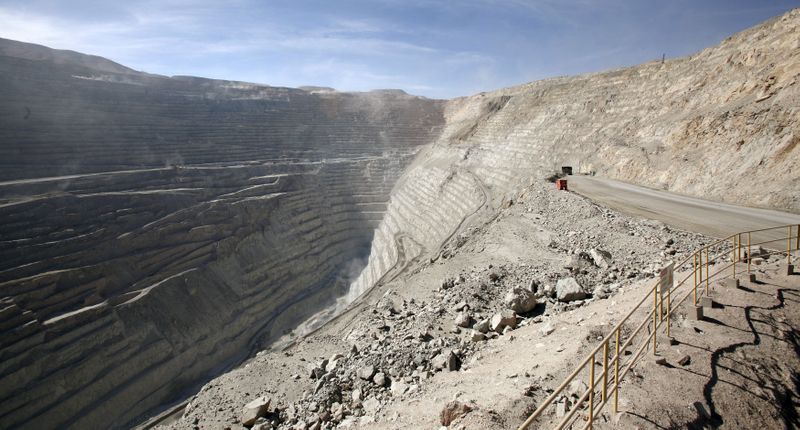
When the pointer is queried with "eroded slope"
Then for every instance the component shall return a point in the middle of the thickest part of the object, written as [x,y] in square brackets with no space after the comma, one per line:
[720,125]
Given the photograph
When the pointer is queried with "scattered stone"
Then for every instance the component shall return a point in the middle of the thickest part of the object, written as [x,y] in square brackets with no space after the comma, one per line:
[254,410]
[379,379]
[685,360]
[398,387]
[601,258]
[482,326]
[366,373]
[561,409]
[452,411]
[520,300]
[463,319]
[460,306]
[661,361]
[371,405]
[477,336]
[547,329]
[577,388]
[503,319]
[568,289]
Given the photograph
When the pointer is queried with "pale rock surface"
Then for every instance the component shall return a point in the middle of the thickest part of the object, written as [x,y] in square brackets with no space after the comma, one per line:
[568,290]
[520,300]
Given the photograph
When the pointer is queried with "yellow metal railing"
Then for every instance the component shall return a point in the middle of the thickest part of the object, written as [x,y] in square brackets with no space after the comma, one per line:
[663,306]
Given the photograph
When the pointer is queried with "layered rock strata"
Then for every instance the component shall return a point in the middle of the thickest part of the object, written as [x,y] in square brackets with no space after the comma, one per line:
[720,124]
[157,230]
[203,217]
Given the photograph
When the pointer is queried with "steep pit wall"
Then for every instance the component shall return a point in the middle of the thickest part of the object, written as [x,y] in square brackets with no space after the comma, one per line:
[126,283]
[65,118]
[721,125]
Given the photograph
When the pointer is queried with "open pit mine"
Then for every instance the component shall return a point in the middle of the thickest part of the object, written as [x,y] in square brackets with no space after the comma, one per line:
[158,231]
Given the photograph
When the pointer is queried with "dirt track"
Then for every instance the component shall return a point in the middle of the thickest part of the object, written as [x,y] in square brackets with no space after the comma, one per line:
[689,213]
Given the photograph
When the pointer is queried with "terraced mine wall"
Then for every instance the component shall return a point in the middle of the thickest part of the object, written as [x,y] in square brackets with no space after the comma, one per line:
[237,207]
[66,118]
[720,125]
[198,220]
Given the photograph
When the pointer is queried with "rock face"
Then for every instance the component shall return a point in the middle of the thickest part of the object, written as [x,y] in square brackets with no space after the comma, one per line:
[727,113]
[226,213]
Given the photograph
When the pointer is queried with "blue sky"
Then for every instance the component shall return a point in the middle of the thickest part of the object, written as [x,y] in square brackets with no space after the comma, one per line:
[438,49]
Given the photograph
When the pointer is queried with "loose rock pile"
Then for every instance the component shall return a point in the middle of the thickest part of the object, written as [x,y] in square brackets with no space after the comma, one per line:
[399,343]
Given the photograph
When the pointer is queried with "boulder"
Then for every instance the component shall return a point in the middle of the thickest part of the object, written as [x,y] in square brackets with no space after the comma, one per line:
[452,411]
[446,360]
[568,289]
[601,292]
[379,379]
[482,326]
[398,387]
[520,300]
[439,361]
[372,404]
[601,258]
[477,336]
[460,306]
[366,373]
[578,262]
[503,319]
[453,362]
[331,366]
[463,319]
[254,410]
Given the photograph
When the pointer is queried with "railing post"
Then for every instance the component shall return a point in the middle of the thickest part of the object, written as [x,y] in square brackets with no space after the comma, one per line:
[669,310]
[739,250]
[749,253]
[605,371]
[708,274]
[655,317]
[591,391]
[797,238]
[616,375]
[694,271]
[789,245]
[733,257]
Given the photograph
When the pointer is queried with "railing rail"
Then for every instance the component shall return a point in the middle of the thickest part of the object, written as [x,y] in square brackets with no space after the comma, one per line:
[607,383]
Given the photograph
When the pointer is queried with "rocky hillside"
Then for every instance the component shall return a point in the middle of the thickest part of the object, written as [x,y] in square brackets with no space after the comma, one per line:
[158,230]
[720,124]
